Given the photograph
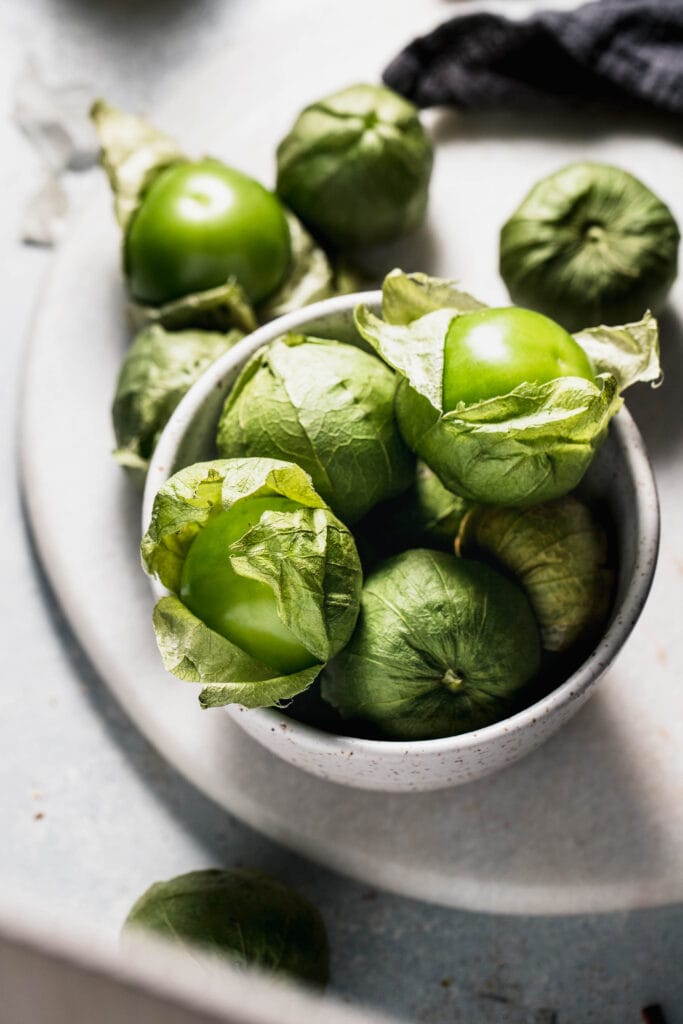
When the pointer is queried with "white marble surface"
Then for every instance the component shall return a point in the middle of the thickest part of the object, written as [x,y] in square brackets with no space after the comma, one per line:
[90,814]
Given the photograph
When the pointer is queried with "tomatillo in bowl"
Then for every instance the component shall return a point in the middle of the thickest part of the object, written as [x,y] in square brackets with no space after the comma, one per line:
[241,609]
[262,580]
[619,481]
[502,404]
[443,646]
[199,223]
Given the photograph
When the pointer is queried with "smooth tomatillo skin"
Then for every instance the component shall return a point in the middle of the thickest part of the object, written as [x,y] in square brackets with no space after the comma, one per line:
[490,352]
[200,223]
[240,609]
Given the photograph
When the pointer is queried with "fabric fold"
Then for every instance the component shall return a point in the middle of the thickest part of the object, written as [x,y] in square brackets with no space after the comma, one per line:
[609,51]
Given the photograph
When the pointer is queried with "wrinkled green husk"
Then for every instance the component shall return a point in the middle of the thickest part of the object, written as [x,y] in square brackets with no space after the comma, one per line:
[327,406]
[407,297]
[244,916]
[629,353]
[590,244]
[194,653]
[356,167]
[223,308]
[557,552]
[307,557]
[159,369]
[442,646]
[132,153]
[529,446]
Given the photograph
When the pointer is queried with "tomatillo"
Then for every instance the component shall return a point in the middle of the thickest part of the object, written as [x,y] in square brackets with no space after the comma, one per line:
[590,244]
[490,352]
[200,223]
[242,610]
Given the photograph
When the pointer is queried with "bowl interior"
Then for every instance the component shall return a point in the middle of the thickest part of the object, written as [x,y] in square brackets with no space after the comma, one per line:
[619,486]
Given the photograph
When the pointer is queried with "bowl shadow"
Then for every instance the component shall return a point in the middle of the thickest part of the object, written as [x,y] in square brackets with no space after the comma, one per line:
[573,814]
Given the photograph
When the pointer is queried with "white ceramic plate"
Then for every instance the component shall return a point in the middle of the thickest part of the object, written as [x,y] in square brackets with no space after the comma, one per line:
[593,820]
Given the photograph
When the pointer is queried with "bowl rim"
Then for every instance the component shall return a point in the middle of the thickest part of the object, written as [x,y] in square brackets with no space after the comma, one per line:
[624,618]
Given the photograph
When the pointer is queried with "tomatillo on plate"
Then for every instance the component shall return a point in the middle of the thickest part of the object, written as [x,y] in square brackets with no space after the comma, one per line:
[356,166]
[242,610]
[491,351]
[182,230]
[327,406]
[199,223]
[590,244]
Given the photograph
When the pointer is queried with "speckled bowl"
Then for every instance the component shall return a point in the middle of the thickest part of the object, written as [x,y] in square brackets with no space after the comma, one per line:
[620,477]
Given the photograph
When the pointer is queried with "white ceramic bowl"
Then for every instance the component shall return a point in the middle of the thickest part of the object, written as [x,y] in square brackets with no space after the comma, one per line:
[620,476]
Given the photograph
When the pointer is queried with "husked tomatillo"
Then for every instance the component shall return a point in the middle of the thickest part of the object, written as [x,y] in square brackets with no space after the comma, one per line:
[502,404]
[492,351]
[159,368]
[558,554]
[241,609]
[265,581]
[200,223]
[355,167]
[204,245]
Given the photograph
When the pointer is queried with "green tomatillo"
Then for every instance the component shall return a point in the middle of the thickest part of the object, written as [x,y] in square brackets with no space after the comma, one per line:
[241,609]
[355,167]
[491,351]
[205,246]
[200,223]
[502,404]
[329,407]
[442,646]
[245,917]
[558,553]
[264,580]
[159,368]
[590,244]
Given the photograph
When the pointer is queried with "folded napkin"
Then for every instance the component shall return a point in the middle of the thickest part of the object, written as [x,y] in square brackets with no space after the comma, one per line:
[616,51]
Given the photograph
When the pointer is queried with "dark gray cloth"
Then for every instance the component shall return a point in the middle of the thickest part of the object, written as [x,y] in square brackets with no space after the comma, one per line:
[613,51]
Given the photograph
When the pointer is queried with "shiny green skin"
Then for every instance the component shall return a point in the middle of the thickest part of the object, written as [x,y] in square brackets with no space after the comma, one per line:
[490,352]
[590,244]
[246,917]
[200,223]
[240,609]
